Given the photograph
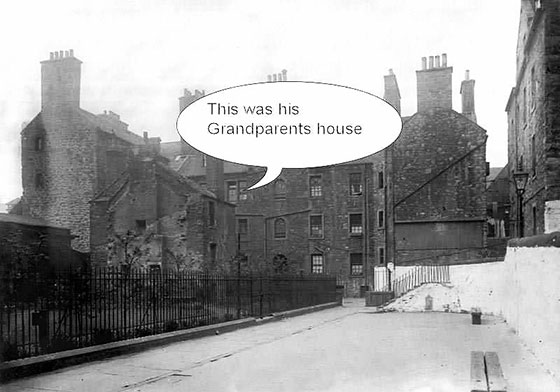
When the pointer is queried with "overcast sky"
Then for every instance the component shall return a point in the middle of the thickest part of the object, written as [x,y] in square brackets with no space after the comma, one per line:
[139,55]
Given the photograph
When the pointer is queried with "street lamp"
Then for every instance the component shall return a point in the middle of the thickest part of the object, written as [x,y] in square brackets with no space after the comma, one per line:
[520,179]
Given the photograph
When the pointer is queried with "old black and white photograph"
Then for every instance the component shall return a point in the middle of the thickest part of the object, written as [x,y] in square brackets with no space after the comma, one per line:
[243,195]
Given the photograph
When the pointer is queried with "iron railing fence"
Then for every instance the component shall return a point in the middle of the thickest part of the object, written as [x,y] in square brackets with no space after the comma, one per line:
[415,277]
[42,314]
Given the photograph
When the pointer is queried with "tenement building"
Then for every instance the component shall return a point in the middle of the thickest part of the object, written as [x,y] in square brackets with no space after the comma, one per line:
[534,120]
[90,174]
[419,201]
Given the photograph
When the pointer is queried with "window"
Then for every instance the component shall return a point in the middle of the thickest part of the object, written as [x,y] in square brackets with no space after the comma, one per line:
[242,226]
[317,264]
[236,191]
[381,255]
[355,183]
[211,213]
[140,225]
[380,180]
[280,228]
[356,264]
[381,218]
[232,191]
[280,189]
[39,180]
[204,160]
[213,249]
[316,226]
[315,186]
[534,220]
[356,224]
[39,143]
[242,188]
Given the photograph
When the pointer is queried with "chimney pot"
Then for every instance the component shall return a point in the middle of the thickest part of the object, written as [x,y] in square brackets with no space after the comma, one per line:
[269,78]
[66,53]
[274,76]
[391,71]
[444,60]
[467,75]
[51,56]
[423,63]
[145,135]
[437,62]
[431,63]
[71,52]
[280,78]
[61,54]
[285,74]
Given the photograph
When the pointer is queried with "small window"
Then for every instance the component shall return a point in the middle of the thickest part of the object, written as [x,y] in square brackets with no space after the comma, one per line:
[317,265]
[242,190]
[381,218]
[204,160]
[356,264]
[280,189]
[213,252]
[39,143]
[380,180]
[381,255]
[315,186]
[39,180]
[242,226]
[231,191]
[140,225]
[211,213]
[279,228]
[355,183]
[316,226]
[534,220]
[356,224]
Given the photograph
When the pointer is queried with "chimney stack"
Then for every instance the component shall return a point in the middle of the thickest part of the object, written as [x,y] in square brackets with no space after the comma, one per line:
[467,97]
[189,98]
[434,84]
[60,81]
[392,94]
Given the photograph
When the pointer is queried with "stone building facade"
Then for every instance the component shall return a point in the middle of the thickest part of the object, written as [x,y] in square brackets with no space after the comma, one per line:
[533,116]
[429,185]
[71,157]
[163,219]
[421,200]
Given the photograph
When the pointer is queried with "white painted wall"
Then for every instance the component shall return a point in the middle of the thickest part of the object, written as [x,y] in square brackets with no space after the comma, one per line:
[532,300]
[524,289]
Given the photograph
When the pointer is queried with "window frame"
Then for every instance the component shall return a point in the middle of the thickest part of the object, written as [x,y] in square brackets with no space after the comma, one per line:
[284,191]
[211,213]
[352,184]
[245,225]
[275,229]
[381,179]
[322,228]
[314,265]
[381,256]
[381,219]
[312,187]
[351,226]
[354,264]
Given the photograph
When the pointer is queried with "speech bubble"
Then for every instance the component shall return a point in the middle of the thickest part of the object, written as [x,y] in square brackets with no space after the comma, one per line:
[289,124]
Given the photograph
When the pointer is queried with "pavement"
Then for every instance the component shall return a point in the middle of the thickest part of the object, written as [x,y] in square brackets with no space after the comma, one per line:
[350,348]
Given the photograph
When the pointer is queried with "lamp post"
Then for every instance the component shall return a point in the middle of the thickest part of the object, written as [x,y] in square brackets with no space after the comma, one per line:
[520,179]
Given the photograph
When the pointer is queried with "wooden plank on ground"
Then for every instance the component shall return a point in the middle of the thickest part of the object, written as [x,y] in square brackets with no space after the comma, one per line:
[478,375]
[496,379]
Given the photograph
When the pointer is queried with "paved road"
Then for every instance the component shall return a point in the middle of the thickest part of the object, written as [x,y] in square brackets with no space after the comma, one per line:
[340,349]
